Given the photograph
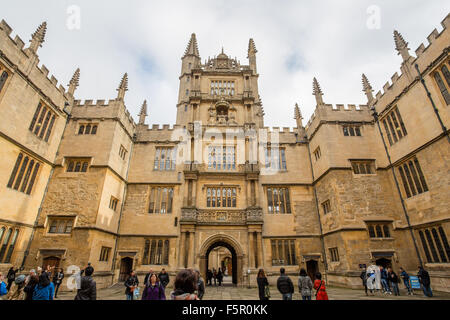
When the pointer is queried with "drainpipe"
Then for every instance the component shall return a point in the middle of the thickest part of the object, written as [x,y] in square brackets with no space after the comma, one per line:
[375,116]
[436,111]
[33,231]
[322,240]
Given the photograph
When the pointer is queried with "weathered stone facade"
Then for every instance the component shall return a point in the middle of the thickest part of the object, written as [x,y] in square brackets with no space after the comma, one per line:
[126,196]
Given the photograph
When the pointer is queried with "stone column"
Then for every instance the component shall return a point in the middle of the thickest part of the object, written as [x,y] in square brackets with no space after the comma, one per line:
[259,248]
[251,251]
[182,250]
[194,193]
[191,252]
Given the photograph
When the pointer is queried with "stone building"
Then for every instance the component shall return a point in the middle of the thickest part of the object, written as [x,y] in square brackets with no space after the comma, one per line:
[83,182]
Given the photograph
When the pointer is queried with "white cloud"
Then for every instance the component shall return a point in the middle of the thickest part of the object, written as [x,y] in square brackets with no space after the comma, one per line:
[296,40]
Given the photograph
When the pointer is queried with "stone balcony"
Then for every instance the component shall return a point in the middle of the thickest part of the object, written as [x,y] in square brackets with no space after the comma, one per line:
[238,168]
[191,215]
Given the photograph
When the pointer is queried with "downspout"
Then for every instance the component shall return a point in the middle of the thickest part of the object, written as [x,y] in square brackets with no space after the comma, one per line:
[322,240]
[436,111]
[33,231]
[375,116]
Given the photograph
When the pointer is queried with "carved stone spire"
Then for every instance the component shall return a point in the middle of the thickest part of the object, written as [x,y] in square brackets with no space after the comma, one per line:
[317,92]
[251,55]
[367,88]
[299,119]
[192,47]
[38,37]
[123,87]
[74,82]
[401,46]
[143,113]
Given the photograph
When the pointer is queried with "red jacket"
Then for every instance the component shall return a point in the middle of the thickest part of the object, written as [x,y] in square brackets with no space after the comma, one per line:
[322,294]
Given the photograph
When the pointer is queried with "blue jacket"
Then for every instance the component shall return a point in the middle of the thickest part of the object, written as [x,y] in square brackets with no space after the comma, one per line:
[3,290]
[44,293]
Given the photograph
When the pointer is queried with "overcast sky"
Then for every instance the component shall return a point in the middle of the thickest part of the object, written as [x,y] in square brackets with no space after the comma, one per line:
[334,41]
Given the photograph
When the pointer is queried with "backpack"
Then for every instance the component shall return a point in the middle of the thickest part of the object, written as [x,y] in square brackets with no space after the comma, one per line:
[3,290]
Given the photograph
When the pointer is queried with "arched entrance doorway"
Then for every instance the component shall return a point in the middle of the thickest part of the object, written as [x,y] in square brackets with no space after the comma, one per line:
[235,251]
[126,265]
[233,258]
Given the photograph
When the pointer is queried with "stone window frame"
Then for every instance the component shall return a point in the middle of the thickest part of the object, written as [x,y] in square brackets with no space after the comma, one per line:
[412,177]
[441,80]
[158,191]
[379,229]
[334,254]
[222,157]
[435,243]
[77,164]
[122,152]
[275,162]
[394,127]
[113,202]
[5,75]
[9,236]
[317,153]
[218,86]
[287,255]
[87,128]
[24,174]
[282,202]
[156,251]
[43,121]
[165,158]
[351,130]
[104,254]
[326,206]
[60,225]
[213,198]
[363,166]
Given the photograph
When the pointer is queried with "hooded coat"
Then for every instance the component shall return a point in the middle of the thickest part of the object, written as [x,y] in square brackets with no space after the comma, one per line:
[44,289]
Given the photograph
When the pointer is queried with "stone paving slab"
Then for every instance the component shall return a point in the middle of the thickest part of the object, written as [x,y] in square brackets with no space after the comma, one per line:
[117,292]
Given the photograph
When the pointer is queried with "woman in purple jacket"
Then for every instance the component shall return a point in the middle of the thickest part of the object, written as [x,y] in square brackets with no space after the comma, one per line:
[153,290]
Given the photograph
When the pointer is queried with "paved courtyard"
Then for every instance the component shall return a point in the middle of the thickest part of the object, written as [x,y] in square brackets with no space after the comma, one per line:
[117,292]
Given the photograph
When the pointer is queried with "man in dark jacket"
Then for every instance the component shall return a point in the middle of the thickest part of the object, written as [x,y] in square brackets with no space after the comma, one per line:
[209,276]
[385,280]
[147,276]
[11,276]
[363,277]
[164,278]
[88,287]
[424,279]
[285,285]
[57,280]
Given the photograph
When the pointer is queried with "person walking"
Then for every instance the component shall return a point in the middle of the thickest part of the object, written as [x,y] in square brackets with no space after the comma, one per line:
[424,279]
[215,276]
[11,276]
[363,277]
[393,281]
[131,284]
[220,277]
[319,285]
[30,283]
[17,290]
[305,285]
[88,286]
[147,276]
[3,290]
[164,278]
[200,286]
[44,289]
[57,280]
[154,290]
[185,286]
[263,285]
[209,276]
[285,285]
[385,281]
[405,276]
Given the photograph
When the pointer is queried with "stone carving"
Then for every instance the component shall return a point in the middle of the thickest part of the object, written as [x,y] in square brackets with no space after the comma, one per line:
[254,215]
[188,215]
[206,216]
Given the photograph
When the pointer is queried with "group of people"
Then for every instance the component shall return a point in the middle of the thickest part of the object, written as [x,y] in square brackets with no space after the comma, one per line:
[286,287]
[188,285]
[215,275]
[389,280]
[37,285]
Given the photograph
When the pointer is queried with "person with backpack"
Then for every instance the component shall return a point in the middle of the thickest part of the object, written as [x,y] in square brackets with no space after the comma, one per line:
[17,290]
[57,280]
[319,285]
[424,279]
[30,283]
[88,287]
[3,290]
[263,285]
[393,280]
[305,285]
[131,284]
[164,278]
[44,289]
[405,276]
[285,285]
[11,276]
[154,290]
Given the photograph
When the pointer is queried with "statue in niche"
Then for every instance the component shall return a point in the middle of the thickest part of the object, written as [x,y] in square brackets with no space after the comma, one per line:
[222,108]
[212,115]
[232,116]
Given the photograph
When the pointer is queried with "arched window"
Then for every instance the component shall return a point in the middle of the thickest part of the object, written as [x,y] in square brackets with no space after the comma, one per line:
[21,172]
[432,247]
[372,231]
[442,87]
[3,79]
[386,231]
[439,245]
[5,244]
[444,240]
[77,166]
[94,129]
[379,233]
[81,130]
[70,166]
[446,74]
[14,172]
[84,167]
[11,246]
[88,129]
[2,232]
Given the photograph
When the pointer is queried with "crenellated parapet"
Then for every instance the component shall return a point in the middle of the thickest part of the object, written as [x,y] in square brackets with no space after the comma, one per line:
[425,57]
[25,61]
[338,113]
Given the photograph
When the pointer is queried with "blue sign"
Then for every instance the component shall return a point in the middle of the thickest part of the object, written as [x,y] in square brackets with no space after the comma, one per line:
[415,284]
